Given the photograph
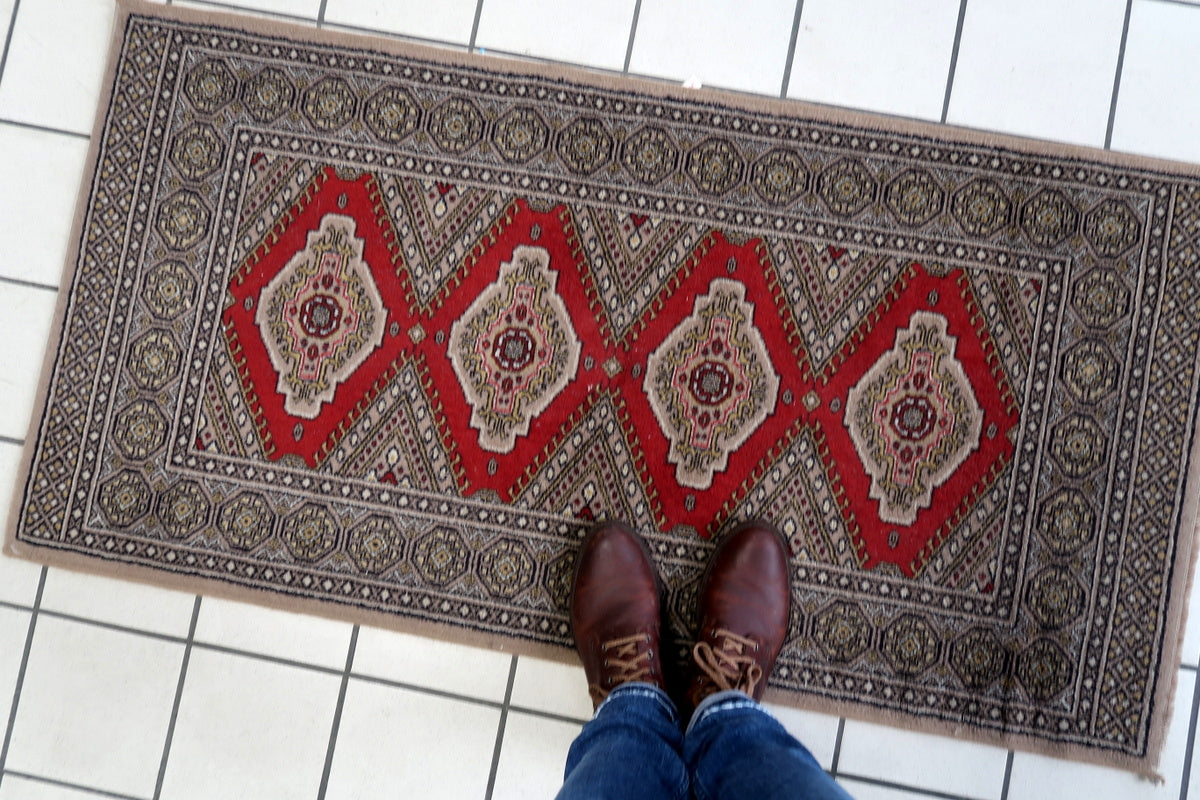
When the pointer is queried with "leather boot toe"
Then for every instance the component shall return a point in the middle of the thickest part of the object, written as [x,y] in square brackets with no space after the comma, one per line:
[615,611]
[745,610]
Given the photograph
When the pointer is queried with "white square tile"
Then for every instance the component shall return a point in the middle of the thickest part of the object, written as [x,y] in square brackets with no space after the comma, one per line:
[728,44]
[1158,107]
[255,629]
[875,54]
[596,34]
[24,326]
[291,8]
[56,63]
[17,788]
[398,743]
[132,605]
[18,578]
[860,790]
[296,13]
[303,9]
[817,732]
[446,21]
[1038,67]
[35,223]
[250,728]
[552,687]
[937,763]
[1035,777]
[14,630]
[433,664]
[532,757]
[1189,649]
[95,706]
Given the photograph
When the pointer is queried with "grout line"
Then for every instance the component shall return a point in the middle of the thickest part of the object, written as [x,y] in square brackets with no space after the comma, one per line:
[1184,3]
[337,714]
[512,678]
[321,13]
[637,13]
[183,668]
[791,54]
[962,15]
[884,784]
[67,785]
[12,714]
[15,606]
[475,24]
[547,715]
[442,693]
[8,35]
[1112,108]
[12,440]
[287,662]
[33,126]
[28,284]
[1189,667]
[1191,741]
[112,626]
[1008,765]
[837,748]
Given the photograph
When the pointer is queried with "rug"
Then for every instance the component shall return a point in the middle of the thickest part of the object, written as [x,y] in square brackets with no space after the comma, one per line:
[376,331]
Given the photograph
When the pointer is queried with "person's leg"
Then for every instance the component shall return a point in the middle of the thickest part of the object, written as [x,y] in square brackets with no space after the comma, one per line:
[735,749]
[630,749]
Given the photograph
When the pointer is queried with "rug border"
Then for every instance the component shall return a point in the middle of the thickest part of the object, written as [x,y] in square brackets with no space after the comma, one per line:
[1181,582]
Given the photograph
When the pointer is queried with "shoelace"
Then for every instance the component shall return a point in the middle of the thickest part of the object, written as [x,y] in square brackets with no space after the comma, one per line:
[729,666]
[627,663]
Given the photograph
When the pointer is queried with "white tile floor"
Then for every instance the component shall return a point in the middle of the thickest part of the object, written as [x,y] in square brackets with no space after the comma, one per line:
[118,690]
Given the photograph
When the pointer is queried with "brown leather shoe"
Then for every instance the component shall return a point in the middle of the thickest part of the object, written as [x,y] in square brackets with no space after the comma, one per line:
[615,610]
[745,609]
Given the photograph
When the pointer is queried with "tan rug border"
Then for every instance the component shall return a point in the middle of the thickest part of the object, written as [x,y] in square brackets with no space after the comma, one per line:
[1181,581]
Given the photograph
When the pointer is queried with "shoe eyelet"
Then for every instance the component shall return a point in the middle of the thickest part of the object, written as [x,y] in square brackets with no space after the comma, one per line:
[606,663]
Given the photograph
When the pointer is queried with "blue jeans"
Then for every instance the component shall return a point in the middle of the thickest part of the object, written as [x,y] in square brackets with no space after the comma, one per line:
[634,749]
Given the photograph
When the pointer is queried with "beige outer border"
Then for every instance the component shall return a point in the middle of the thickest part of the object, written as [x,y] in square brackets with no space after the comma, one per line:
[1185,560]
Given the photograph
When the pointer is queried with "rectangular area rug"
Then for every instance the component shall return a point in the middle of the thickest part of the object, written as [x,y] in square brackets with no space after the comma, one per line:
[374,330]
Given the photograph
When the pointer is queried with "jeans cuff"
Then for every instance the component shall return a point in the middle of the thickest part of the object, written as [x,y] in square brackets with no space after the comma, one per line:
[646,691]
[727,700]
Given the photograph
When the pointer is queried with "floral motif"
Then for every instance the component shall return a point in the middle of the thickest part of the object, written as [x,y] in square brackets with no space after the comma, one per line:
[196,151]
[455,125]
[329,104]
[268,95]
[183,220]
[210,86]
[514,350]
[321,316]
[520,135]
[711,383]
[913,418]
